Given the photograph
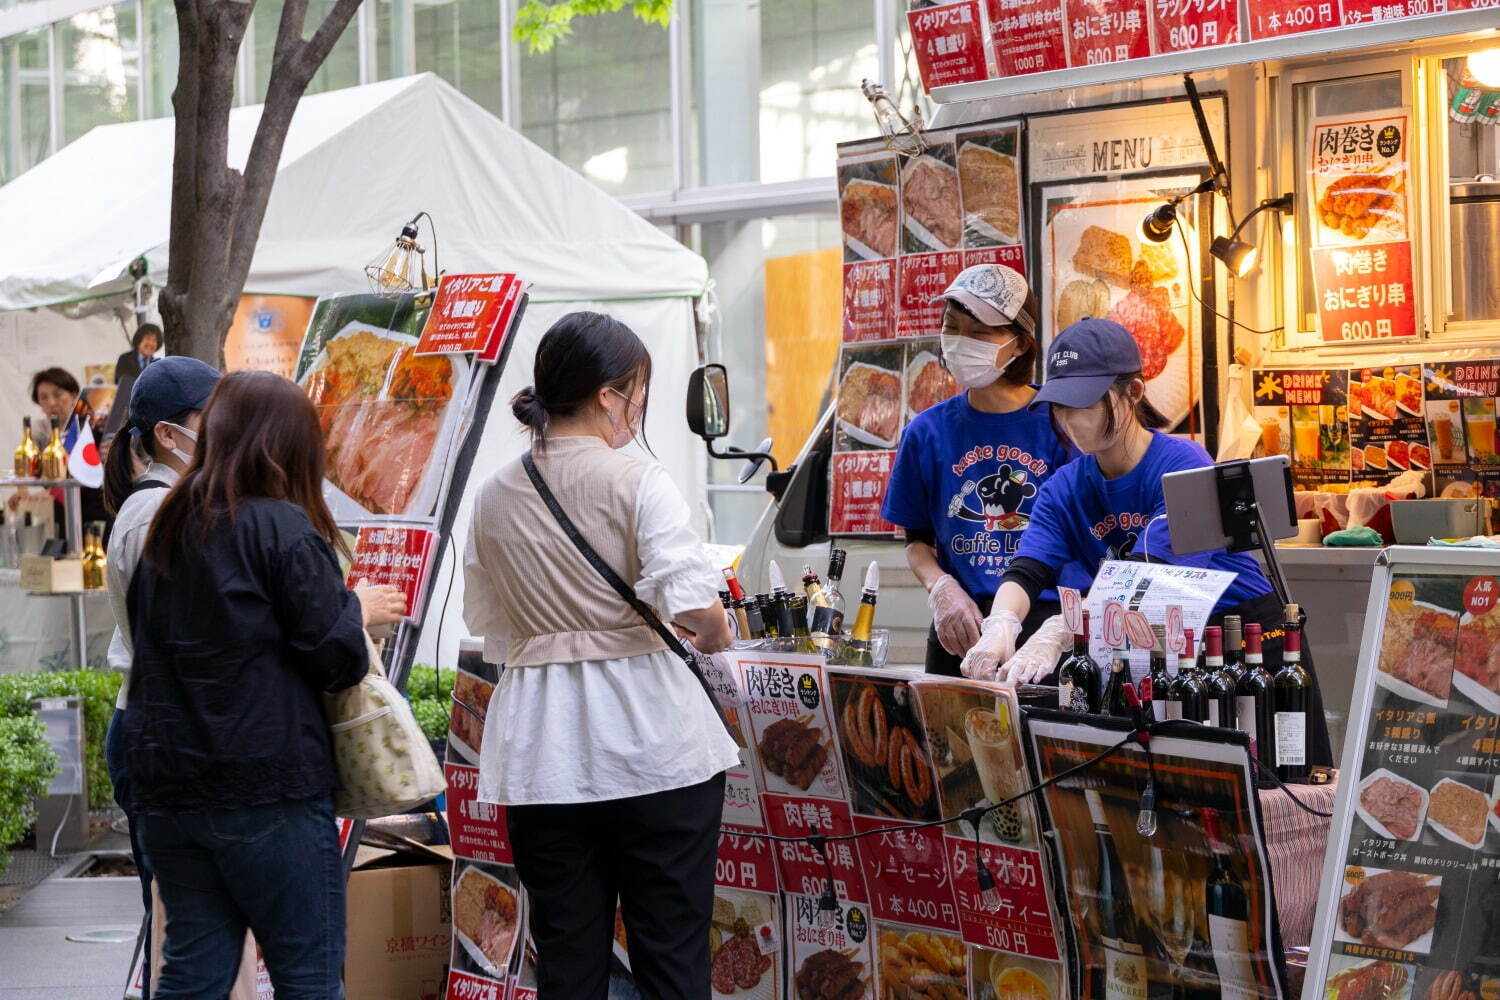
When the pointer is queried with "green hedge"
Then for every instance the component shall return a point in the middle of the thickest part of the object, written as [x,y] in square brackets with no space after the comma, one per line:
[431,699]
[27,764]
[98,689]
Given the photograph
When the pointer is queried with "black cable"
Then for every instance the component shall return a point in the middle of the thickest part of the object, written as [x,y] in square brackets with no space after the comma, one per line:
[1193,289]
[437,650]
[1271,773]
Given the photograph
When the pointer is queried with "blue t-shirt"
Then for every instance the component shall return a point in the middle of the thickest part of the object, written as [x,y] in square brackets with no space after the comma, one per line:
[971,478]
[1082,517]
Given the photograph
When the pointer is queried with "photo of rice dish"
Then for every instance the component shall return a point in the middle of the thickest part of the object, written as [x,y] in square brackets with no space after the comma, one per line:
[929,195]
[991,190]
[471,699]
[485,913]
[871,216]
[870,404]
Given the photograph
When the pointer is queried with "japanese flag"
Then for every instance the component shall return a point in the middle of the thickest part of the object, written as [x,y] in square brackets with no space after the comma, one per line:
[83,456]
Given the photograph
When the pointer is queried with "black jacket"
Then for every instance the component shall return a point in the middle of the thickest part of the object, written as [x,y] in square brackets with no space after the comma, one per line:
[231,651]
[127,365]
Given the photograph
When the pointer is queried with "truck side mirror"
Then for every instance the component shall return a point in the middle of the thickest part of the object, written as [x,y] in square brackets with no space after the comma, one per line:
[708,402]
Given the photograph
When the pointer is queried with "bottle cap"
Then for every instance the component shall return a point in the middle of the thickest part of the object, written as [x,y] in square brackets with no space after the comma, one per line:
[872,578]
[1252,638]
[778,582]
[735,590]
[1213,639]
[1085,632]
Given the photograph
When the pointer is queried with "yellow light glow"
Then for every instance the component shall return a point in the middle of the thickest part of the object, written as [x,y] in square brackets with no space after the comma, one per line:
[1247,262]
[1484,67]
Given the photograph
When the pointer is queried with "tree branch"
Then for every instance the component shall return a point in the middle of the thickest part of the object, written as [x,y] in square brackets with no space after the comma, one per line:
[184,174]
[323,40]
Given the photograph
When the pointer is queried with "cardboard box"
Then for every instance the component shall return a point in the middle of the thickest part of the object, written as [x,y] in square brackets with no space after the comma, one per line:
[51,576]
[400,927]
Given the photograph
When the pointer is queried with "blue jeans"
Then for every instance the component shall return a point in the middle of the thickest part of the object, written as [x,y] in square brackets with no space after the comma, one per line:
[274,869]
[114,759]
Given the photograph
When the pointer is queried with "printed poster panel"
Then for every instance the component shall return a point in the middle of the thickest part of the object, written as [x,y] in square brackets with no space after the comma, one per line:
[989,180]
[744,940]
[473,687]
[1021,923]
[927,381]
[998,975]
[1187,911]
[486,919]
[265,334]
[1097,264]
[1030,37]
[1460,401]
[869,416]
[1362,268]
[931,214]
[476,828]
[906,872]
[1304,414]
[1273,18]
[397,556]
[469,312]
[1151,588]
[951,42]
[745,861]
[916,962]
[742,805]
[1387,433]
[841,955]
[799,866]
[870,212]
[790,723]
[924,277]
[1417,889]
[389,418]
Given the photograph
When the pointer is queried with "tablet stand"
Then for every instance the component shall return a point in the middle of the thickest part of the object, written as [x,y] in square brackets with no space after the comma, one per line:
[1239,512]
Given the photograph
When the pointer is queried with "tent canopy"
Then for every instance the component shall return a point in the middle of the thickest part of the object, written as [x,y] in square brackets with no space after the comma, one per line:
[357,164]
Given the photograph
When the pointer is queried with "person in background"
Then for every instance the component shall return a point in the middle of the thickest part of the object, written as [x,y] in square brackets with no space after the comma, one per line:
[967,472]
[56,392]
[239,620]
[1109,504]
[606,750]
[143,348]
[160,435]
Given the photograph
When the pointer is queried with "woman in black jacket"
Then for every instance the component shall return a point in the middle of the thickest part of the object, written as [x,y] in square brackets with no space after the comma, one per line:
[240,618]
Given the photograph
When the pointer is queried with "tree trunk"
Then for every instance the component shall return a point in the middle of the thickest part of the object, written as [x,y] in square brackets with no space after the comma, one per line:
[217,211]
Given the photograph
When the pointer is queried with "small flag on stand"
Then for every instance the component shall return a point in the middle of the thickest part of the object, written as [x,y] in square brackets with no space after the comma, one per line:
[83,454]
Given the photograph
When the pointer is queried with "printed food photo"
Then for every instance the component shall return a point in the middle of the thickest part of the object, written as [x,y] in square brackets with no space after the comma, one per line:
[884,747]
[869,406]
[1390,909]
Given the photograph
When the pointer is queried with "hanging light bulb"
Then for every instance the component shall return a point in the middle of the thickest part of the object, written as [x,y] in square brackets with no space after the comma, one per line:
[1484,67]
[828,906]
[989,893]
[402,267]
[902,135]
[1145,822]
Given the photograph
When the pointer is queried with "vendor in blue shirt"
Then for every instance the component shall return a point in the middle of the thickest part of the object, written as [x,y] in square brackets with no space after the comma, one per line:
[968,470]
[1109,504]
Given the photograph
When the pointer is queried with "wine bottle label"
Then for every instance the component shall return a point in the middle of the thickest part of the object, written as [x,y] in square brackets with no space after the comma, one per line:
[827,621]
[1291,739]
[1231,944]
[1213,713]
[1064,695]
[1158,710]
[1244,707]
[1124,971]
[1080,701]
[1174,709]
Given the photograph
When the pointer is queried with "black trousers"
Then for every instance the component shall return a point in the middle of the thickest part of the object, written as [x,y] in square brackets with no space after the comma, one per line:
[656,854]
[940,661]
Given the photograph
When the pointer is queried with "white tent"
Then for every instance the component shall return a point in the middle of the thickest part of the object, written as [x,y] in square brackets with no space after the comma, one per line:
[359,163]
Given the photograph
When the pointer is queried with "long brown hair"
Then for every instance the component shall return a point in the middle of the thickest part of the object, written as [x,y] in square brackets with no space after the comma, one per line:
[259,438]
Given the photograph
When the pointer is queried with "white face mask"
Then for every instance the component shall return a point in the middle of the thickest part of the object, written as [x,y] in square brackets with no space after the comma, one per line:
[185,457]
[626,433]
[972,362]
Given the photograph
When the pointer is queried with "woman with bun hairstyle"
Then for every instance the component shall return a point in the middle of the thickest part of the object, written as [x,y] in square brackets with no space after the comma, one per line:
[603,746]
[967,472]
[1109,504]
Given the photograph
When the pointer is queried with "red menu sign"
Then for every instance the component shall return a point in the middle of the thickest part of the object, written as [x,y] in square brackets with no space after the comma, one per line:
[869,301]
[1182,25]
[469,312]
[1022,922]
[394,555]
[1009,256]
[907,874]
[1365,293]
[923,278]
[745,861]
[476,829]
[800,867]
[952,42]
[1028,37]
[859,482]
[1271,18]
[1105,31]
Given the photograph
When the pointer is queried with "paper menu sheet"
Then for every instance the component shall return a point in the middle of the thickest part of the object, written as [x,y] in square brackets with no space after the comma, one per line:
[1151,588]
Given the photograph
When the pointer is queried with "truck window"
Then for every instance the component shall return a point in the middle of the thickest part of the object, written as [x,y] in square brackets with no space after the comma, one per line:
[803,515]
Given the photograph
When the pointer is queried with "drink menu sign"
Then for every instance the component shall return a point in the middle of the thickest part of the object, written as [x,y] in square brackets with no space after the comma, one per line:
[1361,242]
[1412,877]
[910,224]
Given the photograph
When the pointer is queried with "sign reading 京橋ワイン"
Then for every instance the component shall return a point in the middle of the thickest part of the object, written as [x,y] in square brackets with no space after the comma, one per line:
[1361,253]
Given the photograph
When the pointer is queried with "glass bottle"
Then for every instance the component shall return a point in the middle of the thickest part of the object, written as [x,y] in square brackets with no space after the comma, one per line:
[1078,677]
[1255,709]
[1218,679]
[858,650]
[53,464]
[1293,702]
[27,454]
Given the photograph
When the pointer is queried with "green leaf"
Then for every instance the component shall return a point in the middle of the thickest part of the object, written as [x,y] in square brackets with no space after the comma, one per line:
[541,25]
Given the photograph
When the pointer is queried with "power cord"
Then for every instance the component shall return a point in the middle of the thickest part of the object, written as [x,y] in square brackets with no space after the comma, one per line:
[1193,289]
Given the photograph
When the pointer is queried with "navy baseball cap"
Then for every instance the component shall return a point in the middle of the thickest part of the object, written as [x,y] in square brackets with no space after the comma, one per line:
[1085,360]
[167,387]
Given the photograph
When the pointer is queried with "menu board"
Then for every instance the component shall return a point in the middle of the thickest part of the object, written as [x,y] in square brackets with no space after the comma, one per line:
[1411,884]
[910,225]
[1370,425]
[1186,912]
[1361,243]
[1035,36]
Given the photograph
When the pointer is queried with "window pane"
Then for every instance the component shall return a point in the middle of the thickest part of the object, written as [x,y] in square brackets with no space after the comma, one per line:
[791,66]
[779,292]
[24,128]
[460,41]
[391,45]
[340,69]
[599,101]
[161,49]
[1473,199]
[100,54]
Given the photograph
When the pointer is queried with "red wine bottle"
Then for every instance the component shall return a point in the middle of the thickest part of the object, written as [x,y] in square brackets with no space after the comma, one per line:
[1113,701]
[1234,646]
[1255,709]
[1078,677]
[1160,679]
[1228,917]
[1188,697]
[1124,971]
[1293,701]
[1218,680]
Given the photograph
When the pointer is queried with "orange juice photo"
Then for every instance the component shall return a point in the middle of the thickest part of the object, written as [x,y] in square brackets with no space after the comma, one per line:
[1479,422]
[1305,435]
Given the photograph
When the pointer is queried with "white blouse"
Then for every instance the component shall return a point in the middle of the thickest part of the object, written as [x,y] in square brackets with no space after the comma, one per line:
[605,729]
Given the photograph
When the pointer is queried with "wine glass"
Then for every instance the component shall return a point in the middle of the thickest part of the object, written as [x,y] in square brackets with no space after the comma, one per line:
[1171,908]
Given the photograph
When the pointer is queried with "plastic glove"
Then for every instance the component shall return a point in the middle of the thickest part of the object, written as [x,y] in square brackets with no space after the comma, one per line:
[955,616]
[997,643]
[1039,656]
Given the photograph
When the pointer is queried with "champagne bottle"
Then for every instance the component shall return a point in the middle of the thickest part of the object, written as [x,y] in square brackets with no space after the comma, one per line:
[831,595]
[1293,701]
[28,457]
[1188,694]
[1254,700]
[1228,909]
[797,605]
[93,557]
[858,651]
[1218,679]
[737,604]
[1161,681]
[811,586]
[1078,677]
[1124,971]
[1234,646]
[769,622]
[755,621]
[1113,701]
[780,598]
[54,460]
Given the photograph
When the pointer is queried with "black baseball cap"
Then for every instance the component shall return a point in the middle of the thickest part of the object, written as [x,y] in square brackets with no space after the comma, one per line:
[167,387]
[1085,360]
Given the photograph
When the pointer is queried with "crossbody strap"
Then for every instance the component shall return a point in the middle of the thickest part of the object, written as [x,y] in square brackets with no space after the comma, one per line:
[626,592]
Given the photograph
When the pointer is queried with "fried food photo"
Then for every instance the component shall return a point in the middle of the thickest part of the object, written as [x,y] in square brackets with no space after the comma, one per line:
[1450,986]
[1372,981]
[884,752]
[1357,203]
[921,965]
[1390,910]
[794,750]
[831,975]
